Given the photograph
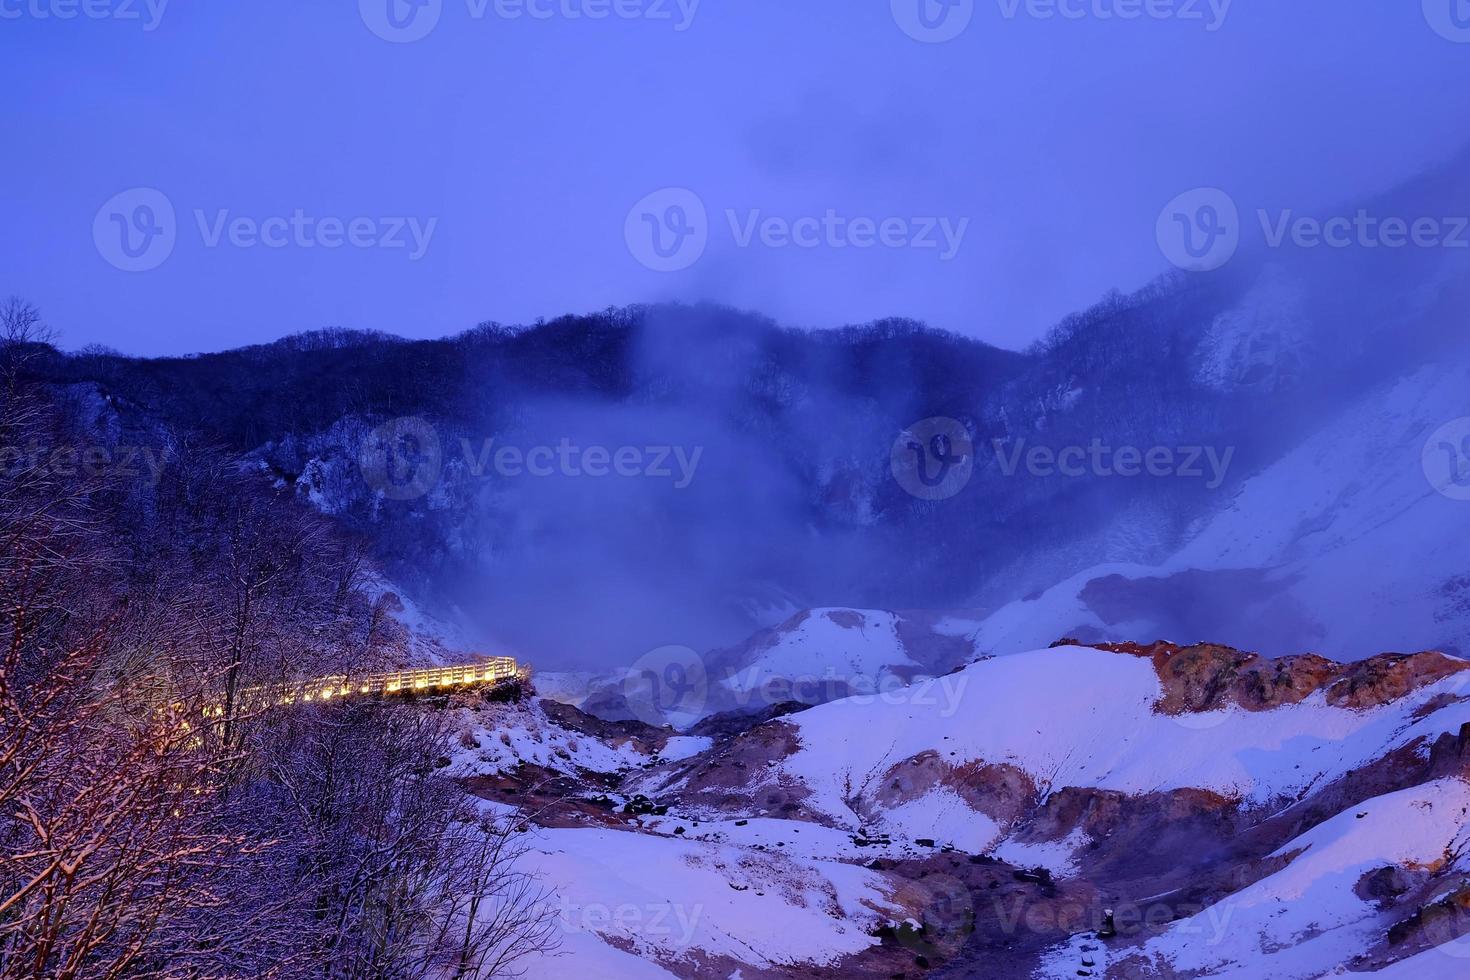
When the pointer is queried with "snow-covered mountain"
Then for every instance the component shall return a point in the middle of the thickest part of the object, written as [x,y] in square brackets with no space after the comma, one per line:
[1129,811]
[1348,544]
[815,656]
[1247,455]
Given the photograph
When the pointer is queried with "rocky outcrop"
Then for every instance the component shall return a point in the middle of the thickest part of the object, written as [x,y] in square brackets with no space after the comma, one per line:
[1002,792]
[1208,676]
[1388,677]
[735,774]
[729,723]
[612,732]
[1387,884]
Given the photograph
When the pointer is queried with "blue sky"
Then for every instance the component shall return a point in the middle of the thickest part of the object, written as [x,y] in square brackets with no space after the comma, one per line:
[490,169]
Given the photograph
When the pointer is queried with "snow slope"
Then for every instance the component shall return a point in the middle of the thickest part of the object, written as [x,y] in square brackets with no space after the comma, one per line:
[858,648]
[1343,546]
[688,902]
[498,737]
[1077,716]
[1305,920]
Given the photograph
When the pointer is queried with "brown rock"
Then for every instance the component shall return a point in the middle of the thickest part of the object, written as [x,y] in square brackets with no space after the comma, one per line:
[1388,677]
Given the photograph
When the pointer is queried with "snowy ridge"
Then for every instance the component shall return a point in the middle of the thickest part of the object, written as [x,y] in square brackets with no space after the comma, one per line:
[843,646]
[1341,545]
[1078,716]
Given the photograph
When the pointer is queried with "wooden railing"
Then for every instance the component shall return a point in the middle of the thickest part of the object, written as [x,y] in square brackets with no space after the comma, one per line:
[431,680]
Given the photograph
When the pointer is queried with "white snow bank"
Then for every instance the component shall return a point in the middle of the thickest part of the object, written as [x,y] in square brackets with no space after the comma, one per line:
[1076,716]
[679,900]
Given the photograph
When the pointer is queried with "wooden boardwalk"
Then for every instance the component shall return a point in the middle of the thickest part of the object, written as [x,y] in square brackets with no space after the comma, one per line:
[431,680]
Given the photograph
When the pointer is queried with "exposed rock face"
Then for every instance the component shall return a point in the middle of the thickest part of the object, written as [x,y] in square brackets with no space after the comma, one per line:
[1207,677]
[728,723]
[734,774]
[1266,684]
[1388,677]
[612,732]
[1199,678]
[1435,923]
[1450,755]
[1162,837]
[1002,792]
[1387,884]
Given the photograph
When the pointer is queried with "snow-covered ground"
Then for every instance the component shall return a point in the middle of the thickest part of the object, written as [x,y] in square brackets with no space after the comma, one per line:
[1305,920]
[500,736]
[695,902]
[1077,716]
[696,891]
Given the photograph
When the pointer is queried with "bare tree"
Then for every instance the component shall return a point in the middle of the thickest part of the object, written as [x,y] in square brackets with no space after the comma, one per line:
[153,825]
[109,833]
[493,913]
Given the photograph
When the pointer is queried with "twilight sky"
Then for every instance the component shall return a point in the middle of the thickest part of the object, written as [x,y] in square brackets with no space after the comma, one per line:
[509,166]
